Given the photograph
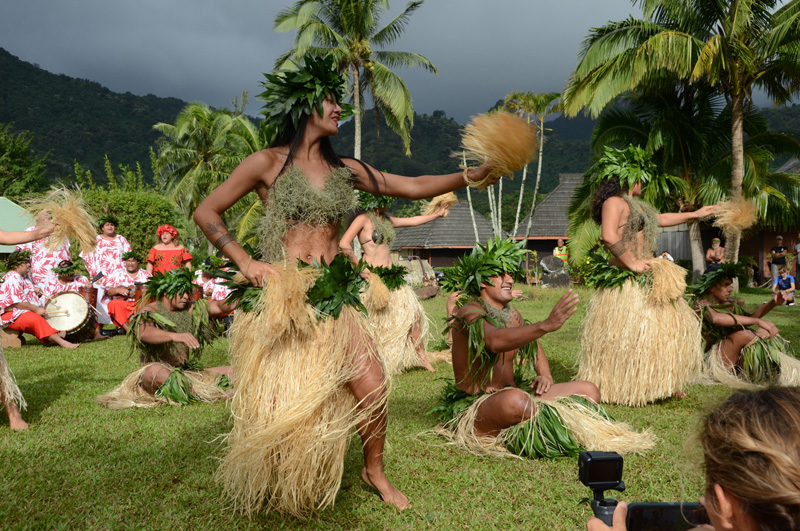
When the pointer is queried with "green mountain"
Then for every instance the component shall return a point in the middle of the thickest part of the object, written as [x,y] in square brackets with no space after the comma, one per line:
[77,119]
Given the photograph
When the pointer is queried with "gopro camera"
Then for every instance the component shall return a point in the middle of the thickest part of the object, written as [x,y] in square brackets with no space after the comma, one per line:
[601,471]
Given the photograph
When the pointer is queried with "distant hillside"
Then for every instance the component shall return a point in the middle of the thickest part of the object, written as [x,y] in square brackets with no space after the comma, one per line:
[77,119]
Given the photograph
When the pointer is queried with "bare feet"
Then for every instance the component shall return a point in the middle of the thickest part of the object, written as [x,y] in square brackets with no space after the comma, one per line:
[57,339]
[680,394]
[17,424]
[388,492]
[423,359]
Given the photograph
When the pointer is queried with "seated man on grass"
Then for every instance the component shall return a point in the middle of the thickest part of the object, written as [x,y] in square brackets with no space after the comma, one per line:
[493,402]
[169,334]
[20,305]
[742,348]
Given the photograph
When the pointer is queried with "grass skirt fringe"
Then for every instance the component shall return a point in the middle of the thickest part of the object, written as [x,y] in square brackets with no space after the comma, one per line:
[637,350]
[293,414]
[588,427]
[8,385]
[392,326]
[717,371]
[205,386]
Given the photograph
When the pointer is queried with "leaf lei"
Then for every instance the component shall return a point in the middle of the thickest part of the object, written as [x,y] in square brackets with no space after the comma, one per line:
[339,285]
[394,277]
[601,274]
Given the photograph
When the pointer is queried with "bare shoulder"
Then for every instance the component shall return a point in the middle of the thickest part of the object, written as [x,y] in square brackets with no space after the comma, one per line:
[615,203]
[263,166]
[470,311]
[149,308]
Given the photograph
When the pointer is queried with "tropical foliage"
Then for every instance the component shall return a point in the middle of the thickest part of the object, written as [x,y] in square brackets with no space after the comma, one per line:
[734,46]
[21,170]
[348,30]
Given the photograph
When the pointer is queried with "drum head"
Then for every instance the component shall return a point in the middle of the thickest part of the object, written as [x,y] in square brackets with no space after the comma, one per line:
[67,311]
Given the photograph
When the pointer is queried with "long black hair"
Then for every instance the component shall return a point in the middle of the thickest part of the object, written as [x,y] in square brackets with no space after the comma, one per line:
[608,188]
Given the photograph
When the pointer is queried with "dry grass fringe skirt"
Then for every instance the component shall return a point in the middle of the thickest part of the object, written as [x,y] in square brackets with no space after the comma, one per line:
[717,371]
[130,393]
[392,327]
[8,384]
[590,429]
[293,414]
[638,350]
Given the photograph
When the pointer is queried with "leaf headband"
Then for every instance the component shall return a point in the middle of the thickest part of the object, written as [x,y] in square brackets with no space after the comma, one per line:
[170,284]
[497,257]
[369,201]
[632,165]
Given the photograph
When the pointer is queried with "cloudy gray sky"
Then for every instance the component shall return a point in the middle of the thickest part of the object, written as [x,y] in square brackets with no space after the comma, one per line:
[211,50]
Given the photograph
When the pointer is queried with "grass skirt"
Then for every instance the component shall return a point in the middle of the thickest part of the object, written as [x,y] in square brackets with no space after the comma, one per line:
[293,414]
[717,371]
[587,426]
[205,386]
[392,326]
[638,348]
[8,385]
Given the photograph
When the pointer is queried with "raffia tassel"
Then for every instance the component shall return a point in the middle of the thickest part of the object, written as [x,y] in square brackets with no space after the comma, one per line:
[440,201]
[376,296]
[669,281]
[393,325]
[507,141]
[67,212]
[735,215]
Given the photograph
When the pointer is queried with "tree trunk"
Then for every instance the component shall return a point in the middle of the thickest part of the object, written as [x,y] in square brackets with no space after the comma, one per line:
[357,117]
[696,245]
[538,177]
[472,215]
[737,174]
[500,207]
[519,203]
[492,210]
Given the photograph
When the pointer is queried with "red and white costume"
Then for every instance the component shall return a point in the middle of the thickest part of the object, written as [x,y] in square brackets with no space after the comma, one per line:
[15,289]
[107,259]
[119,310]
[42,260]
[54,285]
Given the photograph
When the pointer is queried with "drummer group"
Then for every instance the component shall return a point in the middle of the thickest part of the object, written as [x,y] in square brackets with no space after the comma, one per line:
[37,277]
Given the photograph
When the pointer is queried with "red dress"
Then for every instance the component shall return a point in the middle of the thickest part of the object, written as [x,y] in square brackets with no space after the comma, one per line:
[168,260]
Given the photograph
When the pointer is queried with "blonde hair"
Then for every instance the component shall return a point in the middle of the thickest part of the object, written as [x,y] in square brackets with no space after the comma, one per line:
[783,269]
[751,447]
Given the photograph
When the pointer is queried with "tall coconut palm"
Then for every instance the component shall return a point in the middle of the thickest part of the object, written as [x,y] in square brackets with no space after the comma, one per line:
[734,45]
[348,30]
[539,106]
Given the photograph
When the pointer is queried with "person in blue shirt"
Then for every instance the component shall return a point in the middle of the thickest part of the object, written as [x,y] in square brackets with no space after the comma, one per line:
[784,283]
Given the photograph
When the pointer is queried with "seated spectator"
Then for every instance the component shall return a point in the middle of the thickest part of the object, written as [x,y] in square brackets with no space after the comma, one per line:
[20,304]
[784,284]
[168,254]
[121,289]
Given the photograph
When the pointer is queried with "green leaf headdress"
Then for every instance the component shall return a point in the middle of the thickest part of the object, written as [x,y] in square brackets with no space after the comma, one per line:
[369,201]
[497,257]
[211,264]
[108,218]
[632,165]
[70,268]
[292,94]
[16,258]
[712,278]
[170,284]
[131,254]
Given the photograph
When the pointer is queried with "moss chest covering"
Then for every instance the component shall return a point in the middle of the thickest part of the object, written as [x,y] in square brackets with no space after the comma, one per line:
[293,200]
[642,218]
[382,229]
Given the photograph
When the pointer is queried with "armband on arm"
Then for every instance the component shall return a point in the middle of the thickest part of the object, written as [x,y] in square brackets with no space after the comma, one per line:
[223,240]
[618,249]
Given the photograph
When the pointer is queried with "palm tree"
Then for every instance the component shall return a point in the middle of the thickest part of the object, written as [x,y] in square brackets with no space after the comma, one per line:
[735,46]
[199,151]
[688,132]
[348,30]
[540,106]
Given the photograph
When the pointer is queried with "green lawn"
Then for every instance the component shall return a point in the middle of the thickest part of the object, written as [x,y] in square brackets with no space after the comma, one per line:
[80,466]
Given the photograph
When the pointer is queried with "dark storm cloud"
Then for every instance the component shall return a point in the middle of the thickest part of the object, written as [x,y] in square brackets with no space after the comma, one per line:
[210,50]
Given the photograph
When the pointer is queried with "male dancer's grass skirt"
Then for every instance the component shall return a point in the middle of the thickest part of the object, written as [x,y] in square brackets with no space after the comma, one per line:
[560,427]
[763,362]
[293,413]
[8,385]
[641,343]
